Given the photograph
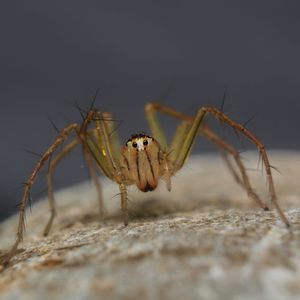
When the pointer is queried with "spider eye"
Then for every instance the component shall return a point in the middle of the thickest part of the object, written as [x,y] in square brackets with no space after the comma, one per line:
[134,145]
[145,142]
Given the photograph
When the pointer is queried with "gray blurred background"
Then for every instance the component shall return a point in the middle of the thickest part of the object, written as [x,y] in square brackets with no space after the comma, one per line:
[181,53]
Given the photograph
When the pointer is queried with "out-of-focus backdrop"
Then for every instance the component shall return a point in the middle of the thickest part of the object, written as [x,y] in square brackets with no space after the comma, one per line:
[181,53]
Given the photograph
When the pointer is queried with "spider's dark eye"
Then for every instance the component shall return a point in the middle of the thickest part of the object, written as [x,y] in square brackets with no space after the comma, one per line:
[134,145]
[145,142]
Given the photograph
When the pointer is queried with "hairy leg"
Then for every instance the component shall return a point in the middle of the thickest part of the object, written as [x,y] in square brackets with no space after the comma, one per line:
[124,200]
[62,136]
[261,148]
[53,163]
[197,124]
[226,148]
[102,144]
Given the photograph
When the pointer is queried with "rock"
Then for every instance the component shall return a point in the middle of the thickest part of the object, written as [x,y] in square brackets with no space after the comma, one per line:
[203,240]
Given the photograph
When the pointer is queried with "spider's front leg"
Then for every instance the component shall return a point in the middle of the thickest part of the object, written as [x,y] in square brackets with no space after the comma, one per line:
[191,127]
[103,144]
[180,136]
[124,200]
[81,138]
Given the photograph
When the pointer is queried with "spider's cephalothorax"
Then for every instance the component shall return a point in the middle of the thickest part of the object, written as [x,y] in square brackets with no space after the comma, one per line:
[143,162]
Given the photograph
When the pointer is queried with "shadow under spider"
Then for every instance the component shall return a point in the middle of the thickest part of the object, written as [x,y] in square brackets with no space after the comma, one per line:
[154,207]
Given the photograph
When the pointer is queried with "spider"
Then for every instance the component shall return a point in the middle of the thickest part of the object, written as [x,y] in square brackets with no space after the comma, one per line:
[144,159]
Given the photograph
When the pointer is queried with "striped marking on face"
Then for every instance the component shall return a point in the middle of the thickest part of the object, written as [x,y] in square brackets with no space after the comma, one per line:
[140,159]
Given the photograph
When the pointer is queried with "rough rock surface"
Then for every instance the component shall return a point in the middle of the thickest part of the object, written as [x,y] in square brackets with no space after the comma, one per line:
[203,240]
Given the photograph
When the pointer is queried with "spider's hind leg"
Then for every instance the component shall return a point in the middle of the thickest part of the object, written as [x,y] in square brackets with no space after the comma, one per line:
[53,163]
[63,135]
[225,149]
[217,114]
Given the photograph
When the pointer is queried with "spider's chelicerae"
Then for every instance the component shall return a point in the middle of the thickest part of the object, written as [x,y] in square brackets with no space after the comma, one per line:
[144,159]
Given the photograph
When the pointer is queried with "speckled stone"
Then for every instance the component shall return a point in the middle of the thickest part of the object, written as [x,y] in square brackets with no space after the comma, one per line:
[203,240]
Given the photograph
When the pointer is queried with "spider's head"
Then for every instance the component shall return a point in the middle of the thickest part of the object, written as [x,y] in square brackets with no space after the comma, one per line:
[140,159]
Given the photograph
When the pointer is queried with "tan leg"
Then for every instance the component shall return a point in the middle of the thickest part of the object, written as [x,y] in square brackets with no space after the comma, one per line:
[197,124]
[124,201]
[66,150]
[102,144]
[261,148]
[94,176]
[227,148]
[63,135]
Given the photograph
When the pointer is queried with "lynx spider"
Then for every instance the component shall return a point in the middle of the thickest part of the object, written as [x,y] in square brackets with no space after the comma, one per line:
[144,159]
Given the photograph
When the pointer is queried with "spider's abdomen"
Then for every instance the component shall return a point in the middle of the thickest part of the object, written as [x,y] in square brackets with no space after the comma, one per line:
[141,163]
